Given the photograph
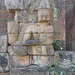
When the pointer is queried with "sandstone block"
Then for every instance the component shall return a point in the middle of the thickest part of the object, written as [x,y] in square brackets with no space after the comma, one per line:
[28,27]
[3,43]
[14,4]
[28,71]
[46,39]
[12,38]
[19,50]
[4,62]
[43,61]
[64,59]
[13,27]
[17,60]
[41,50]
[43,15]
[7,73]
[25,16]
[45,28]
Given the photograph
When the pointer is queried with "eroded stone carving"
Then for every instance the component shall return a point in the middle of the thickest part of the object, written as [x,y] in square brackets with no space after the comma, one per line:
[30,40]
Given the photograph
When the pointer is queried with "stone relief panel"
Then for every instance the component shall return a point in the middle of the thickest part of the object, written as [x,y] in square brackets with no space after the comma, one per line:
[30,35]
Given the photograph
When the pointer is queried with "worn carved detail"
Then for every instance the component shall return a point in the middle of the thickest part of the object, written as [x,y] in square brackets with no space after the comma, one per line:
[30,35]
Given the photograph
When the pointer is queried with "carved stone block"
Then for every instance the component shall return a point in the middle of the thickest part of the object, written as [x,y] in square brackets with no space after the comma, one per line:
[14,4]
[13,27]
[3,43]
[12,38]
[43,61]
[17,60]
[25,16]
[43,15]
[45,28]
[19,50]
[46,39]
[41,50]
[4,62]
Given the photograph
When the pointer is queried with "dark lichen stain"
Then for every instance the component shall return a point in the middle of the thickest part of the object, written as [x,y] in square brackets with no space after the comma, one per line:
[65,56]
[3,61]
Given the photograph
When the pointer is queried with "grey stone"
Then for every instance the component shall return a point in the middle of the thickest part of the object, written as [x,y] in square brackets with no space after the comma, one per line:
[4,62]
[14,4]
[29,71]
[3,43]
[64,58]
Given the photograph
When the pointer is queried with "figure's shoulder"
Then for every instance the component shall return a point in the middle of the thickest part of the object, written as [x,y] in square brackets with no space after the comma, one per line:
[27,26]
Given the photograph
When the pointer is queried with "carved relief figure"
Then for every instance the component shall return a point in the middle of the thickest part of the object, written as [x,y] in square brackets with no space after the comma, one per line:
[34,39]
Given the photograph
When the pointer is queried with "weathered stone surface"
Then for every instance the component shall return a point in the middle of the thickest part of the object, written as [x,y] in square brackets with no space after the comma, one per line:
[25,16]
[3,43]
[14,4]
[17,60]
[13,27]
[43,15]
[65,59]
[7,73]
[40,50]
[27,27]
[12,38]
[19,50]
[24,4]
[45,28]
[4,62]
[43,61]
[29,71]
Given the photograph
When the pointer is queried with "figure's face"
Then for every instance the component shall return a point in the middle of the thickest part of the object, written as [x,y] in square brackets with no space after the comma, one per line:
[43,15]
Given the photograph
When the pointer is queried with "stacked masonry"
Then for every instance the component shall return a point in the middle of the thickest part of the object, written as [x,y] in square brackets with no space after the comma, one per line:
[30,35]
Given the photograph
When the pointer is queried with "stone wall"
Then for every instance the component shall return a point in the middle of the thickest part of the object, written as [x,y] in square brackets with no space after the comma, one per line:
[28,48]
[3,17]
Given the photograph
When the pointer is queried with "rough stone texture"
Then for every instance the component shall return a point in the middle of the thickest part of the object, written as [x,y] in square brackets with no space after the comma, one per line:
[59,20]
[3,17]
[14,4]
[25,16]
[20,50]
[44,15]
[3,43]
[29,71]
[32,27]
[65,59]
[17,60]
[13,27]
[12,38]
[7,73]
[4,62]
[43,61]
[41,50]
[40,71]
[24,4]
[70,25]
